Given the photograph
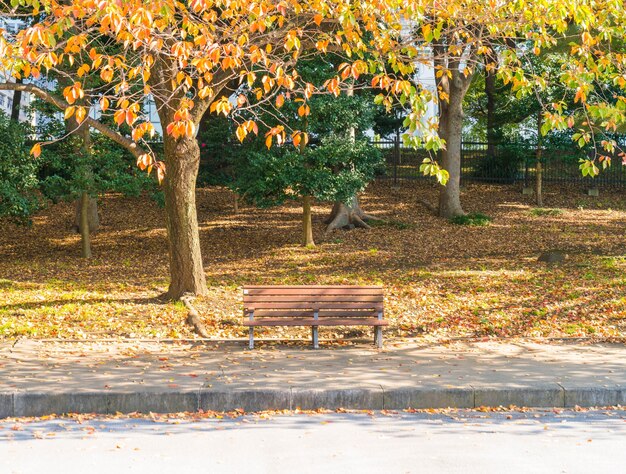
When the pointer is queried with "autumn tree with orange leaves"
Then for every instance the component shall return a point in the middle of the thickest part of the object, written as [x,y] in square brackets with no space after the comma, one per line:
[190,58]
[196,56]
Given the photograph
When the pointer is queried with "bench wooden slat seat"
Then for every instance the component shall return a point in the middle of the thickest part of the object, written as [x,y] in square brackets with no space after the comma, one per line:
[314,305]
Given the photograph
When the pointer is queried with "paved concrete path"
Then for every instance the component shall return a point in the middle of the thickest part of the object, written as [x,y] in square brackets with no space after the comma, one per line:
[54,377]
[457,442]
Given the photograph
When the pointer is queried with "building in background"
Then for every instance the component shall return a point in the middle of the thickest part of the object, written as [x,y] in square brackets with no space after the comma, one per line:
[11,27]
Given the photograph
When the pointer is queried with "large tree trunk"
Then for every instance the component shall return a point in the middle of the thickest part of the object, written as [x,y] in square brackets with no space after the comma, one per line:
[182,160]
[451,130]
[452,87]
[347,216]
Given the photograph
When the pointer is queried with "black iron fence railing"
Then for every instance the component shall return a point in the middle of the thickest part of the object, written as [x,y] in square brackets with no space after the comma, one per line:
[503,164]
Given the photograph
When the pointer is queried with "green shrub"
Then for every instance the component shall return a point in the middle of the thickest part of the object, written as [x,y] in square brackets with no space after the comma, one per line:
[474,218]
[19,198]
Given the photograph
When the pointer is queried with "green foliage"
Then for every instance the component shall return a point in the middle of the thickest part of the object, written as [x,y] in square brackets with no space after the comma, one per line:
[217,150]
[18,173]
[334,166]
[66,172]
[474,219]
[334,170]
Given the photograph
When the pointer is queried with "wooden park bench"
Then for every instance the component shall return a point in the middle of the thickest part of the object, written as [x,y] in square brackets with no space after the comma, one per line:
[314,306]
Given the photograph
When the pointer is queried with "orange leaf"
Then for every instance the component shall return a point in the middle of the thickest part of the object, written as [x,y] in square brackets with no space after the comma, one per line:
[80,114]
[36,150]
[69,112]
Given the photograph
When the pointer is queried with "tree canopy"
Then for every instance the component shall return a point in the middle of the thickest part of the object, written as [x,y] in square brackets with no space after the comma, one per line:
[208,55]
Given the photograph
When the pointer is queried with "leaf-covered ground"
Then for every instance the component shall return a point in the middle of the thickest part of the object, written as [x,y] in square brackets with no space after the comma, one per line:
[440,279]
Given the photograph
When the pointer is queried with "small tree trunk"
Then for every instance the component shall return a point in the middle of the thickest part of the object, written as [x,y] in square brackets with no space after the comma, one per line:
[491,61]
[307,224]
[182,160]
[84,226]
[451,129]
[539,165]
[92,215]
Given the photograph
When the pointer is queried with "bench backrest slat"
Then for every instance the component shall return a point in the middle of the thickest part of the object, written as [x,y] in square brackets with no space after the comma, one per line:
[304,301]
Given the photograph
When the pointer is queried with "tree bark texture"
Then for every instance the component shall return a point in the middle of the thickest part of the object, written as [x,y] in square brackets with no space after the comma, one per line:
[347,216]
[451,129]
[307,224]
[182,160]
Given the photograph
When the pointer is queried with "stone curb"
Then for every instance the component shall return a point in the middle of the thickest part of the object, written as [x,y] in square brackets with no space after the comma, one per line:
[17,404]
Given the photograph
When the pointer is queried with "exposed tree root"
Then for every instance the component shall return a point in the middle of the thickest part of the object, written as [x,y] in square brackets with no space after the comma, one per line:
[348,217]
[193,318]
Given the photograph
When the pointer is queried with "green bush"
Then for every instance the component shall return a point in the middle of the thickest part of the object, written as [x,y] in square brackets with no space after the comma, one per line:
[474,218]
[19,198]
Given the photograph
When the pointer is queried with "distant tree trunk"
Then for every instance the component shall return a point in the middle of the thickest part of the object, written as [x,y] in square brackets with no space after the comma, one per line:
[17,102]
[84,226]
[87,207]
[490,91]
[539,164]
[182,161]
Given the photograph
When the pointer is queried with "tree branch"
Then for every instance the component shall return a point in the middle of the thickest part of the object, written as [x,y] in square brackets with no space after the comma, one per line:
[62,105]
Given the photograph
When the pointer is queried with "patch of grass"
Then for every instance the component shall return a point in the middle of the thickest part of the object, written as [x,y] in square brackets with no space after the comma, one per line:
[474,218]
[543,212]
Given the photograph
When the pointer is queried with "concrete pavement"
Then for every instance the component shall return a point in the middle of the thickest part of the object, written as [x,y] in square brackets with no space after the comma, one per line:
[454,442]
[40,378]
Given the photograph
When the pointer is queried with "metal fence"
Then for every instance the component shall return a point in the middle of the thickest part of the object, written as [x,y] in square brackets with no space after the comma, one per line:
[505,164]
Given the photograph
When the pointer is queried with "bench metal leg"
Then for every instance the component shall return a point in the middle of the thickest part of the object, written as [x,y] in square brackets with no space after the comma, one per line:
[314,337]
[251,332]
[378,337]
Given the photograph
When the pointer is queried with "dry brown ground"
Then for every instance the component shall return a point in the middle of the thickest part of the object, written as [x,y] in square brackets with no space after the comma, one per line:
[440,279]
